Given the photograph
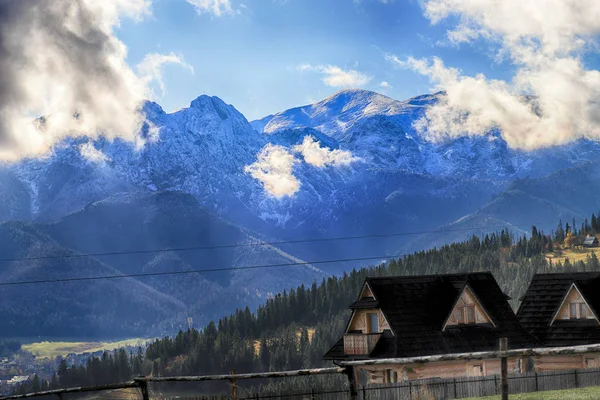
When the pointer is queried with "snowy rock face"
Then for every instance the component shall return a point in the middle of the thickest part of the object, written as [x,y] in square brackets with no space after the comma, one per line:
[353,162]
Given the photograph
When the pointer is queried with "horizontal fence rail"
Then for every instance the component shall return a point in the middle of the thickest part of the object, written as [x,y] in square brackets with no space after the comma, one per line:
[451,388]
[482,355]
[81,389]
[236,377]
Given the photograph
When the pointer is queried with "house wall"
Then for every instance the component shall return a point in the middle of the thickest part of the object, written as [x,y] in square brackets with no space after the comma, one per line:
[568,361]
[467,298]
[359,321]
[366,292]
[441,369]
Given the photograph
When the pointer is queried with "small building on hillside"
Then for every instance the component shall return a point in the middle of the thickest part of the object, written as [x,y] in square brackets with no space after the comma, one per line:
[411,316]
[590,241]
[562,310]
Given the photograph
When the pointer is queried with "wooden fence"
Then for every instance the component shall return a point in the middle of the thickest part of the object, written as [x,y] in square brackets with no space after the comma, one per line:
[461,388]
[410,390]
[440,389]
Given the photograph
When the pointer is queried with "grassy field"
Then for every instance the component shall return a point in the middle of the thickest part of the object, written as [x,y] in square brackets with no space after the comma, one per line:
[573,254]
[573,394]
[54,349]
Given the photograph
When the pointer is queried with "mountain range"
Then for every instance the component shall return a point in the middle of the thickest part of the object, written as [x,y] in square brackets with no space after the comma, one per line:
[350,165]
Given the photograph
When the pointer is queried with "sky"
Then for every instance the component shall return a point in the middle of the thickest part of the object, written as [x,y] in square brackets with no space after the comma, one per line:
[83,68]
[256,54]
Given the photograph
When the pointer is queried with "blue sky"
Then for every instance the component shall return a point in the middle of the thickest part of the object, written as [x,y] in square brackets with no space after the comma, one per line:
[251,57]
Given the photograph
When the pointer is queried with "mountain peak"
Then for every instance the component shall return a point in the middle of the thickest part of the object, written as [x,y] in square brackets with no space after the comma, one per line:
[211,104]
[334,113]
[353,91]
[152,108]
[347,99]
[203,100]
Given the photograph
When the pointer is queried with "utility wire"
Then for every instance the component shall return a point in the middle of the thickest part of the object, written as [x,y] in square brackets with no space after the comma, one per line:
[276,243]
[196,271]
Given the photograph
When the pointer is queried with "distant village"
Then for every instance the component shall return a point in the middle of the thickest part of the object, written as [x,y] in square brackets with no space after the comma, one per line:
[23,366]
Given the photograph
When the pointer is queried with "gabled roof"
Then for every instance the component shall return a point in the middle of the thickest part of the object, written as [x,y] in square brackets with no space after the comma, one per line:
[367,302]
[543,299]
[467,290]
[589,240]
[575,290]
[416,308]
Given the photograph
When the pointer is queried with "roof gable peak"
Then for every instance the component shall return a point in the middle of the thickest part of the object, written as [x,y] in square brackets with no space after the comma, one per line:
[574,306]
[467,309]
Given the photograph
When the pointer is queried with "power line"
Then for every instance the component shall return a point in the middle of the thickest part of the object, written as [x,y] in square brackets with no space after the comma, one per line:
[196,271]
[275,243]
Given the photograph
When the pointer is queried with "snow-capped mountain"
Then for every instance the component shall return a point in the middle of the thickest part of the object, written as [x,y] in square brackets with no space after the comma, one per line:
[204,149]
[351,164]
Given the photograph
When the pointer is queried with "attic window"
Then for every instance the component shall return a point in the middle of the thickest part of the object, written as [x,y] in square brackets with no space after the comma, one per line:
[467,311]
[465,314]
[579,310]
[373,323]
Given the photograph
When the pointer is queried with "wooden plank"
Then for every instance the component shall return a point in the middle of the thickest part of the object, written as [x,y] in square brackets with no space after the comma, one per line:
[80,389]
[483,355]
[257,375]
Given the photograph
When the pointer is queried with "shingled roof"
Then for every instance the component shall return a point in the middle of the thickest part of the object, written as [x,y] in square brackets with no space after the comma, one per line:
[542,300]
[417,307]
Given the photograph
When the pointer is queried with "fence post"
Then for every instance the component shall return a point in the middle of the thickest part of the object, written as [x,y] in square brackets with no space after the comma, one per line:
[234,395]
[504,368]
[144,388]
[353,385]
[364,393]
[410,388]
[537,389]
[312,394]
[576,380]
[454,382]
[496,383]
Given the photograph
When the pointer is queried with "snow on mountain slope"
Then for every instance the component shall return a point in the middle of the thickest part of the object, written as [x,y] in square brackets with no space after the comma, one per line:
[359,166]
[338,112]
[380,129]
[393,181]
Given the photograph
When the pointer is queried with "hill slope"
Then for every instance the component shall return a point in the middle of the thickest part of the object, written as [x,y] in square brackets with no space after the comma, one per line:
[144,223]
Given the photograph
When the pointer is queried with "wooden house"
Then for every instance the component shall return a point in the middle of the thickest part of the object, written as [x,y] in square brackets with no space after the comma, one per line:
[408,316]
[562,310]
[590,241]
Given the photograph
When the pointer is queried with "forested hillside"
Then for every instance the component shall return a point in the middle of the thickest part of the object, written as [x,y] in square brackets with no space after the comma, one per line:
[276,337]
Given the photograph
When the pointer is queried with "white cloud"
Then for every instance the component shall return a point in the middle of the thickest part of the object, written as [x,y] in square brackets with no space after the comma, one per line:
[321,157]
[215,7]
[89,152]
[150,69]
[385,85]
[275,164]
[335,76]
[61,60]
[545,41]
[273,168]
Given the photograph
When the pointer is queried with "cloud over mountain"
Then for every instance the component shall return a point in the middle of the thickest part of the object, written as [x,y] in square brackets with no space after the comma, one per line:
[321,157]
[274,169]
[274,166]
[335,76]
[60,60]
[545,41]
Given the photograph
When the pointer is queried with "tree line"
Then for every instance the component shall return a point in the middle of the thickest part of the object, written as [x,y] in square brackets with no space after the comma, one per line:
[295,328]
[9,347]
